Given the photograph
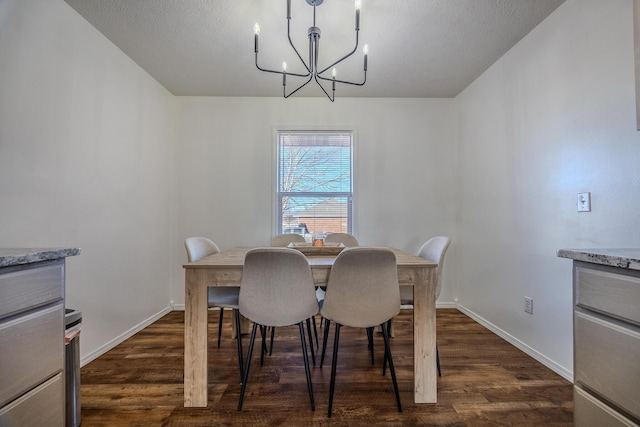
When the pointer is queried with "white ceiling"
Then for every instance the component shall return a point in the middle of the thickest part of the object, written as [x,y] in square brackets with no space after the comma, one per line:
[417,48]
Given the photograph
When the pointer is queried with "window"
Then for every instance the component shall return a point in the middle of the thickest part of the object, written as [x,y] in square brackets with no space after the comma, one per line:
[314,182]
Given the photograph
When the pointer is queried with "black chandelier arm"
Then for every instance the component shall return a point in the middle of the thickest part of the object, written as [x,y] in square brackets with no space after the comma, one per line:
[344,57]
[284,86]
[285,73]
[345,81]
[293,46]
[331,98]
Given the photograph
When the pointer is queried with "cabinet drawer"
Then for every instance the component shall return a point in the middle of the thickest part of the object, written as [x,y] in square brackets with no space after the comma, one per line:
[25,287]
[607,292]
[606,361]
[590,412]
[31,350]
[42,406]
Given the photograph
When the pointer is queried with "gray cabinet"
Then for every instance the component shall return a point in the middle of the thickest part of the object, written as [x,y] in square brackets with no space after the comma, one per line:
[32,339]
[606,345]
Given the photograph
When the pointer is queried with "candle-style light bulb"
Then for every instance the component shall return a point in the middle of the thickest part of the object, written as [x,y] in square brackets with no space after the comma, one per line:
[333,74]
[284,74]
[365,50]
[256,32]
[358,5]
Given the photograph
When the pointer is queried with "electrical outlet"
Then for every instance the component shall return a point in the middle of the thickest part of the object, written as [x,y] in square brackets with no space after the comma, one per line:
[528,305]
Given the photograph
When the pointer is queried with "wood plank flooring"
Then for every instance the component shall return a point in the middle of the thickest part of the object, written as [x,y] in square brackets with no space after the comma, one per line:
[485,381]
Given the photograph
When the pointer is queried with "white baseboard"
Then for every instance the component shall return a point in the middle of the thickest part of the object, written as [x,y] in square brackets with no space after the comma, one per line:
[560,370]
[446,305]
[125,335]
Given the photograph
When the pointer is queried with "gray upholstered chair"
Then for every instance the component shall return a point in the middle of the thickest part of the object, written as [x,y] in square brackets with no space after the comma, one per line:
[218,296]
[277,290]
[284,239]
[344,238]
[347,240]
[362,292]
[433,249]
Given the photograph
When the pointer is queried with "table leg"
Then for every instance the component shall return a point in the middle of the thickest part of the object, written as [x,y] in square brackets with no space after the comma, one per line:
[195,339]
[424,337]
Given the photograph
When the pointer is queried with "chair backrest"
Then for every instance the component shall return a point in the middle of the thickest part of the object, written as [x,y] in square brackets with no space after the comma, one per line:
[199,247]
[362,290]
[435,249]
[284,239]
[277,287]
[344,238]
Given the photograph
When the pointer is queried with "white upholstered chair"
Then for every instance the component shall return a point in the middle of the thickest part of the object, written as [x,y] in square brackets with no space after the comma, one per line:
[362,292]
[433,249]
[347,240]
[277,290]
[344,238]
[218,296]
[283,240]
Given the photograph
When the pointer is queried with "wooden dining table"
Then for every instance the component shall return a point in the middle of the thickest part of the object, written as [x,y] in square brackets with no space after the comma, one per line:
[225,269]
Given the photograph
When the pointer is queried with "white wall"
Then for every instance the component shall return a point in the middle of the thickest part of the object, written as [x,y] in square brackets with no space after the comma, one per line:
[554,117]
[86,160]
[404,160]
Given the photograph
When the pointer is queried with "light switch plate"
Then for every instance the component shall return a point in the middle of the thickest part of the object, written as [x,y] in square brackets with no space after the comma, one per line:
[584,202]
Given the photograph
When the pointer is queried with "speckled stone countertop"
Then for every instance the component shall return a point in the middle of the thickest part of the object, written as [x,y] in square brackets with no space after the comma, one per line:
[17,256]
[623,258]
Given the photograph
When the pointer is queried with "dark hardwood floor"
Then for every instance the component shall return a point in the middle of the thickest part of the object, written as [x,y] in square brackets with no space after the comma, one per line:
[485,381]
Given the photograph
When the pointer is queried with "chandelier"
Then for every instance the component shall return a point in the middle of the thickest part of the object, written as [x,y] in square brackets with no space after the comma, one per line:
[313,70]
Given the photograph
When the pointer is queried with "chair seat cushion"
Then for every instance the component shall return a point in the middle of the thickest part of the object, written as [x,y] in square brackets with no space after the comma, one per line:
[224,296]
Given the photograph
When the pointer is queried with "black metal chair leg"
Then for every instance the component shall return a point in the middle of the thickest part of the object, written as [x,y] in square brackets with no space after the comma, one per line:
[236,314]
[315,331]
[245,374]
[325,337]
[332,387]
[220,325]
[385,333]
[263,331]
[306,366]
[370,339]
[273,332]
[313,352]
[384,363]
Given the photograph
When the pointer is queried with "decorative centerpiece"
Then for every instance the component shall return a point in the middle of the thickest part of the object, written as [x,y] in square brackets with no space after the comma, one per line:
[315,249]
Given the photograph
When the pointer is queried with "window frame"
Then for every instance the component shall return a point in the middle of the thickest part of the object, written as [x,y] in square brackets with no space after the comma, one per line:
[277,214]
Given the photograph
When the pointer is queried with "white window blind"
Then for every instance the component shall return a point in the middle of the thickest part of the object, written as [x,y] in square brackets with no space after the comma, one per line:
[315,186]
